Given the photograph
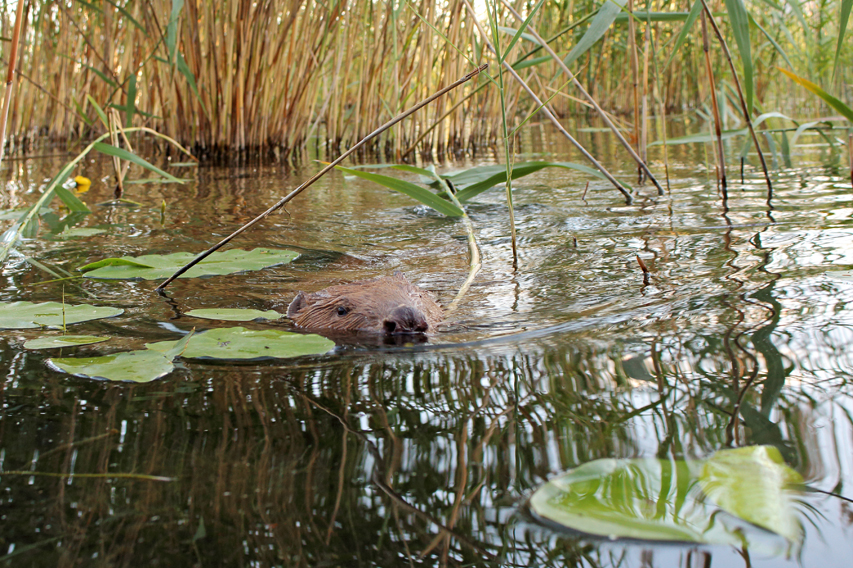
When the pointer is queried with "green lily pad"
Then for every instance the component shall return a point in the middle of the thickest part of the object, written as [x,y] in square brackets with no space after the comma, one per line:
[753,483]
[155,266]
[27,315]
[63,341]
[666,500]
[239,343]
[141,366]
[234,314]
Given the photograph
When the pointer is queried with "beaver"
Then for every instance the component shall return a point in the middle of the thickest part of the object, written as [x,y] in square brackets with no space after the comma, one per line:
[388,304]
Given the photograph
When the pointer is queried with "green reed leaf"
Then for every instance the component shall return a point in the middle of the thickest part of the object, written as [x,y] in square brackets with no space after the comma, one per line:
[425,196]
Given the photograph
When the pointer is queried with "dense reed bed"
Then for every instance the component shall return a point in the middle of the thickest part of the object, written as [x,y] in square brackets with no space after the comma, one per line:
[278,75]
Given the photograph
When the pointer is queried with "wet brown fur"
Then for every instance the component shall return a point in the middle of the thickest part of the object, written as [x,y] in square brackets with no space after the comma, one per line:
[390,304]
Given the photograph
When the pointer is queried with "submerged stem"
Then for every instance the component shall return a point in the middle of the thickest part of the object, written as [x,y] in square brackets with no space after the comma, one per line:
[474,262]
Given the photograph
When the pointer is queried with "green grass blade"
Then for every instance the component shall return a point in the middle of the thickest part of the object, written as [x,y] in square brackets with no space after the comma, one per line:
[425,196]
[71,201]
[172,28]
[101,114]
[130,19]
[520,170]
[802,128]
[597,28]
[774,5]
[798,12]
[521,29]
[441,35]
[188,75]
[846,5]
[654,16]
[739,19]
[512,32]
[530,62]
[130,107]
[773,41]
[842,108]
[767,115]
[125,155]
[103,77]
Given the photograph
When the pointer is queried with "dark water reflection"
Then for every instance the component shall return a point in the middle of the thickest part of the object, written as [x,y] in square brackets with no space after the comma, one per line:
[423,455]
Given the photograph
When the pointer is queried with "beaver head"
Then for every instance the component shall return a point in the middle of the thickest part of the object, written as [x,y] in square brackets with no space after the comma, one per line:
[390,304]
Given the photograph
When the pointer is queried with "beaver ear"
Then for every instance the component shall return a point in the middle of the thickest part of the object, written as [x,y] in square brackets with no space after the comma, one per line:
[297,304]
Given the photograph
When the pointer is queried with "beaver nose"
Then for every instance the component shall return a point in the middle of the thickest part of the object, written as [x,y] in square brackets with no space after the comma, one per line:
[404,319]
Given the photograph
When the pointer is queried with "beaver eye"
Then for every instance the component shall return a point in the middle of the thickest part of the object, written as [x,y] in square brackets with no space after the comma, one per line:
[342,311]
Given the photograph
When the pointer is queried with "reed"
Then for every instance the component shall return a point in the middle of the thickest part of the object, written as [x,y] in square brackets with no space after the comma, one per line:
[234,78]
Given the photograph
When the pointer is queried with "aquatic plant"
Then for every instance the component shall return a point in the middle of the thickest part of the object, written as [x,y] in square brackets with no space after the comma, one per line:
[291,75]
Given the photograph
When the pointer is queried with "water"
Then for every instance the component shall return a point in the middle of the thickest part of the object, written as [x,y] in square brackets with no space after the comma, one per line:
[424,455]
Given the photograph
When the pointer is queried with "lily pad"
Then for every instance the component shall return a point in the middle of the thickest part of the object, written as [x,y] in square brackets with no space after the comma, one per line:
[666,500]
[234,343]
[155,266]
[234,314]
[141,366]
[27,315]
[135,366]
[753,483]
[63,341]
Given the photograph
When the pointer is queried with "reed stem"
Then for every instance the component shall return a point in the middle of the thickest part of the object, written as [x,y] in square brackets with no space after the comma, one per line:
[547,112]
[588,97]
[718,131]
[10,76]
[284,200]
[745,111]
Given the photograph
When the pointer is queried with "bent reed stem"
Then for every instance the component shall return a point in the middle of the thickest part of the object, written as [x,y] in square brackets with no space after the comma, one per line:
[284,200]
[474,262]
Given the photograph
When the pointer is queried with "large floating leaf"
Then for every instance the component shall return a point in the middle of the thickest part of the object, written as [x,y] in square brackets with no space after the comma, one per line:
[234,314]
[136,366]
[141,366]
[753,483]
[155,266]
[60,341]
[653,499]
[27,315]
[239,343]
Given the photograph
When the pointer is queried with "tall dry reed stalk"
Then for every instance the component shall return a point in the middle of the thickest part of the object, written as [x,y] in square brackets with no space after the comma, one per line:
[288,75]
[10,76]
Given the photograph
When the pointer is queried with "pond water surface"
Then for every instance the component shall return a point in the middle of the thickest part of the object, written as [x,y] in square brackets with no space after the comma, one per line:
[425,454]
